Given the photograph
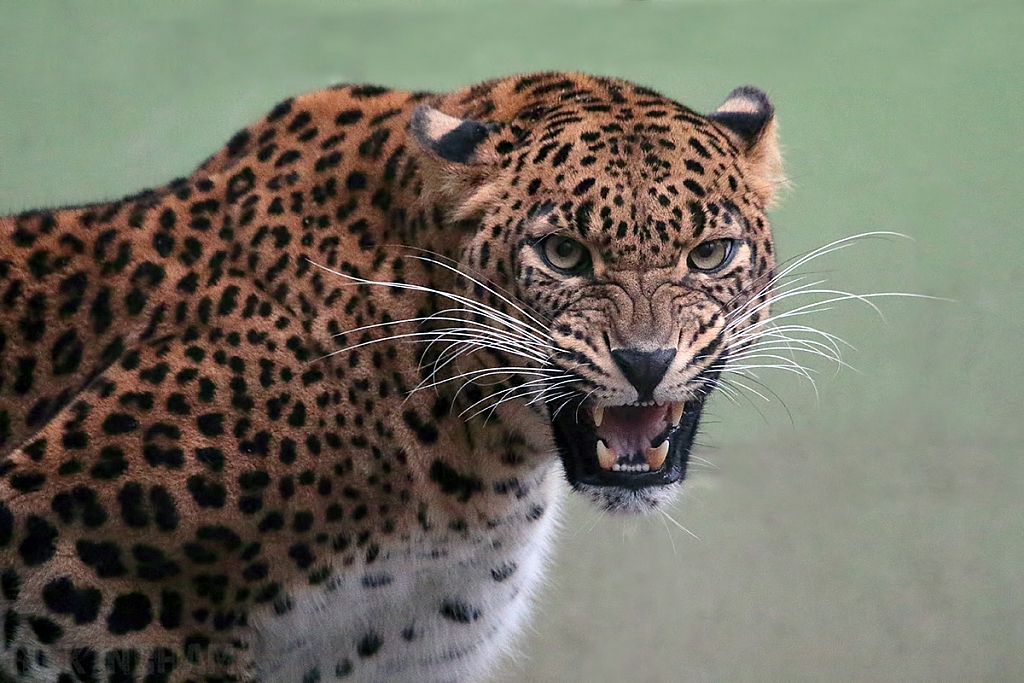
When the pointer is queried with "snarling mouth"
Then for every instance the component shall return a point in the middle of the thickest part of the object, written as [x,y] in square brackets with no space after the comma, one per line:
[628,446]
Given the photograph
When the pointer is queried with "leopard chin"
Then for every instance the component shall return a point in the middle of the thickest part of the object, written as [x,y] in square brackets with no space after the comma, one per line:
[628,458]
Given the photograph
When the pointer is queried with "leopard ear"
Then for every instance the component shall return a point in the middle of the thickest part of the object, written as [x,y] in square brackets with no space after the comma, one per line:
[456,162]
[452,139]
[749,117]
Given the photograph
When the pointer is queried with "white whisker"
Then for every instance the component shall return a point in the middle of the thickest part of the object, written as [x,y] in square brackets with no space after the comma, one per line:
[491,313]
[507,300]
[672,519]
[516,390]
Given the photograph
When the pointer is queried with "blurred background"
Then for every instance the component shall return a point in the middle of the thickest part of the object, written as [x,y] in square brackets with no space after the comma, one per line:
[870,531]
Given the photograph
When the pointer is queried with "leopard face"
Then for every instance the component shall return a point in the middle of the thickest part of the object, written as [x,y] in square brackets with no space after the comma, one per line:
[631,232]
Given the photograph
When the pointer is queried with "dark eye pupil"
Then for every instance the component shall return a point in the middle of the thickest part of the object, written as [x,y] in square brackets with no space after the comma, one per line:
[706,249]
[565,248]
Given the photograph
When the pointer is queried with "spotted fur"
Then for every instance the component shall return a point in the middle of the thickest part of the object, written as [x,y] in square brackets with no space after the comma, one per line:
[207,475]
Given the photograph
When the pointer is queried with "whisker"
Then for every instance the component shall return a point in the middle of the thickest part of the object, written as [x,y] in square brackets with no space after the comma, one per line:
[535,394]
[503,394]
[703,461]
[840,243]
[725,390]
[673,520]
[488,372]
[763,397]
[479,308]
[783,331]
[498,341]
[443,316]
[795,346]
[788,365]
[737,391]
[455,267]
[583,401]
[501,296]
[771,296]
[569,397]
[668,532]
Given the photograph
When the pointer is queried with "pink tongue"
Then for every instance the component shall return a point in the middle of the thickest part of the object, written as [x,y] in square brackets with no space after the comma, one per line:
[628,430]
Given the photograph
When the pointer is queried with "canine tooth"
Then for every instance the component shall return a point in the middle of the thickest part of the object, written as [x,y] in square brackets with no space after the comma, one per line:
[675,414]
[606,456]
[598,415]
[656,456]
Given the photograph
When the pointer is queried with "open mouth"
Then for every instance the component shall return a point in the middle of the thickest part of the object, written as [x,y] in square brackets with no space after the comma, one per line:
[629,446]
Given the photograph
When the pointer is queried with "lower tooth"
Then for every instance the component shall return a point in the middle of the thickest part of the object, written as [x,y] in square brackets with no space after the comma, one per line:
[605,456]
[656,456]
[642,467]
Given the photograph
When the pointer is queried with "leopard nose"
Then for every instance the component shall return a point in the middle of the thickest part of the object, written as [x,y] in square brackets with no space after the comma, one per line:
[643,369]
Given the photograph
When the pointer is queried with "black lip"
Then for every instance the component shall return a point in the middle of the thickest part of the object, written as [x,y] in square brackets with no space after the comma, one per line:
[577,446]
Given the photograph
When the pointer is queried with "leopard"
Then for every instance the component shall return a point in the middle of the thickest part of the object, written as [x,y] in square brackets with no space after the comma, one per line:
[308,413]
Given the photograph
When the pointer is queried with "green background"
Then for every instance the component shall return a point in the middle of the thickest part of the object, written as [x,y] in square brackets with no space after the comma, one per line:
[872,533]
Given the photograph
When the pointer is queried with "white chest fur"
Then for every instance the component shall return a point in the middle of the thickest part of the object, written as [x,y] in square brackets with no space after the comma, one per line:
[437,611]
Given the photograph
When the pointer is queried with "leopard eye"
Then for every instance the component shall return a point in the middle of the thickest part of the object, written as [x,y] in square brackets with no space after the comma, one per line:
[709,256]
[564,254]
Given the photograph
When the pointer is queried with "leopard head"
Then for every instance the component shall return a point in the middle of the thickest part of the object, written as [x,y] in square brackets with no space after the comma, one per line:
[626,236]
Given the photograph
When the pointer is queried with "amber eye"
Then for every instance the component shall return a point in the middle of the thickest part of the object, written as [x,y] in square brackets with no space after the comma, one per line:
[711,255]
[564,254]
